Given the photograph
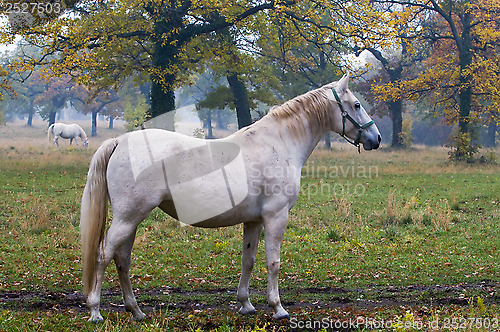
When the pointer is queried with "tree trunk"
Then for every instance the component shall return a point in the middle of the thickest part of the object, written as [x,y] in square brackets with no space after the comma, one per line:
[94,123]
[328,140]
[491,135]
[210,133]
[30,116]
[52,117]
[164,75]
[240,95]
[396,108]
[464,148]
[111,120]
[162,103]
[219,121]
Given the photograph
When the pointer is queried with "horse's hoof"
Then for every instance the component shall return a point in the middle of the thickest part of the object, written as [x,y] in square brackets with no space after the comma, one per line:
[139,317]
[281,315]
[96,320]
[245,311]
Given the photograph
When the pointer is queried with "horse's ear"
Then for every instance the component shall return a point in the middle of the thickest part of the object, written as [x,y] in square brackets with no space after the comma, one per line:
[343,83]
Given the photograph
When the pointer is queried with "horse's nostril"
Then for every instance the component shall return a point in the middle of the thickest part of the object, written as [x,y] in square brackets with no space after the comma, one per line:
[379,138]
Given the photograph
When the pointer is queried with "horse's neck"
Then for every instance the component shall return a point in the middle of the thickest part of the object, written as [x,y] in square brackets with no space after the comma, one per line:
[301,133]
[315,132]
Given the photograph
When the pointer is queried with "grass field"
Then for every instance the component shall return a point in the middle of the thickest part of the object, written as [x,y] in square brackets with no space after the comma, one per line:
[385,240]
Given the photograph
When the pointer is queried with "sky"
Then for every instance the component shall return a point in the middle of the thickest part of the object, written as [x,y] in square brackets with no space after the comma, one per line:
[3,47]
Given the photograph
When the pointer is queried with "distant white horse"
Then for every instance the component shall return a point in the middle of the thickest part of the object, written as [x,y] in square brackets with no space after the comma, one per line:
[251,177]
[71,131]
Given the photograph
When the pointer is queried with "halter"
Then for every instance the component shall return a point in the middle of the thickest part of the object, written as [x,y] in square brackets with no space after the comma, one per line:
[345,116]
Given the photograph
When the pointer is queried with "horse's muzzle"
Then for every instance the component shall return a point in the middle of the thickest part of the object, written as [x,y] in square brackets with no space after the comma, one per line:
[372,143]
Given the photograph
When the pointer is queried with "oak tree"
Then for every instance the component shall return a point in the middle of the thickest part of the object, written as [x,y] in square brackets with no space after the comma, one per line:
[462,68]
[101,43]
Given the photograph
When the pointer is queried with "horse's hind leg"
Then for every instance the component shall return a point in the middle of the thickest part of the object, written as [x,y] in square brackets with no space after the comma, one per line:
[251,235]
[122,260]
[118,234]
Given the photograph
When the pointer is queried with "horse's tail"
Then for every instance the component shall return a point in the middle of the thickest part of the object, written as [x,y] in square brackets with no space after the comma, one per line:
[50,131]
[94,212]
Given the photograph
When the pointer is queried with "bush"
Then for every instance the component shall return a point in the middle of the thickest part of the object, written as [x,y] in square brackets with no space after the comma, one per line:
[334,236]
[463,147]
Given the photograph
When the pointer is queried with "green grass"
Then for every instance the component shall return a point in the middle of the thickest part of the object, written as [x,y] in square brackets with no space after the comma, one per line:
[376,235]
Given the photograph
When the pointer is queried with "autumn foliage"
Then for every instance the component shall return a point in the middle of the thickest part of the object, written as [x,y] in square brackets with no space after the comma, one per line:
[460,76]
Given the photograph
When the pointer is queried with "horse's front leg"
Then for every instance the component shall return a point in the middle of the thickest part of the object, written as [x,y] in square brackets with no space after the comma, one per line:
[274,228]
[251,236]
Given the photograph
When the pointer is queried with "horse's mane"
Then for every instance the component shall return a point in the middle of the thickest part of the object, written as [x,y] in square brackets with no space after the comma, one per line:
[314,106]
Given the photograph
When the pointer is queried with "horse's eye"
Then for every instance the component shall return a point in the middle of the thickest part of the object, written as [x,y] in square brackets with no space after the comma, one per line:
[357,105]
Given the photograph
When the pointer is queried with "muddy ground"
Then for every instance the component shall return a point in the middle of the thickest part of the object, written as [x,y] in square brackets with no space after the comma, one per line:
[225,299]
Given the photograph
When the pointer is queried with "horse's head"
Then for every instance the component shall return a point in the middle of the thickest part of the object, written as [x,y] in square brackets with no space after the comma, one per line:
[86,142]
[350,118]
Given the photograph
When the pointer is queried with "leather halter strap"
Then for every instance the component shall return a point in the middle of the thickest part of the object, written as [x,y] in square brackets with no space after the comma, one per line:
[346,116]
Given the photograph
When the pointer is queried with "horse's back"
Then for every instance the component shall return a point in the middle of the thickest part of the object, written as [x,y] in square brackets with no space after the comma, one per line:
[61,129]
[67,130]
[144,151]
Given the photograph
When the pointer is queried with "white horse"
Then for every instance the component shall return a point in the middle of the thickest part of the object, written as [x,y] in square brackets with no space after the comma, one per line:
[251,177]
[71,131]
